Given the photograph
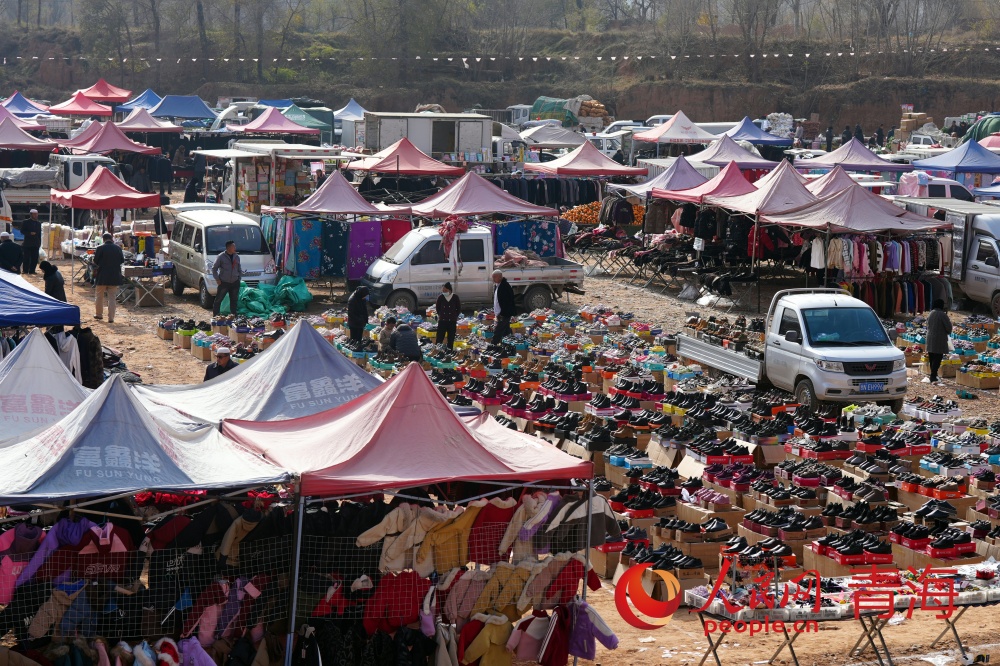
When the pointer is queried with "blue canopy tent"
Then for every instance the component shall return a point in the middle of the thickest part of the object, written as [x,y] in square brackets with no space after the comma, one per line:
[279,103]
[147,99]
[20,105]
[182,106]
[747,131]
[969,157]
[22,304]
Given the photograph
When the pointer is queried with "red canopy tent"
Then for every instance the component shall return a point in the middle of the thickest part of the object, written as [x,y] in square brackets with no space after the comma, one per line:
[140,121]
[13,137]
[85,135]
[103,190]
[474,195]
[784,192]
[586,160]
[105,92]
[727,183]
[405,159]
[110,138]
[401,434]
[338,197]
[833,181]
[80,105]
[272,122]
[23,124]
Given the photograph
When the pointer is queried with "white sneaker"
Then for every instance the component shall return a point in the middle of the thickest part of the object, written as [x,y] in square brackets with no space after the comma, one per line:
[925,380]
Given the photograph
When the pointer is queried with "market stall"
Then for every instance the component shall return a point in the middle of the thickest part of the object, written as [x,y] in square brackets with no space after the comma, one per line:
[749,132]
[13,137]
[302,117]
[725,150]
[23,304]
[273,122]
[966,163]
[677,131]
[147,99]
[350,120]
[80,105]
[103,191]
[23,107]
[6,114]
[404,173]
[33,375]
[109,138]
[139,120]
[301,374]
[333,233]
[833,181]
[102,91]
[852,156]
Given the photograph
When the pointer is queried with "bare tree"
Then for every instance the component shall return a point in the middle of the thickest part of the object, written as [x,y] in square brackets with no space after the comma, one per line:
[754,18]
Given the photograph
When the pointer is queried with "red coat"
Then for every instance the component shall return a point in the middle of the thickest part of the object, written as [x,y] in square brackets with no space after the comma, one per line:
[566,584]
[488,530]
[396,602]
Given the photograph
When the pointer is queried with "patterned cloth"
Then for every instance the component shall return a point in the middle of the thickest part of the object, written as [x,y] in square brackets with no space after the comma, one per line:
[541,237]
[308,244]
[364,247]
[335,234]
[508,235]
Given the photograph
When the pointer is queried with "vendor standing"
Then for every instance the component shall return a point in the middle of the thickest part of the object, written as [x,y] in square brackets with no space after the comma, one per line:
[503,306]
[108,260]
[357,312]
[32,243]
[449,308]
[223,364]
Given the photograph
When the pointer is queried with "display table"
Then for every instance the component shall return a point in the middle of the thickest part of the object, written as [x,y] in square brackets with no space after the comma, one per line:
[147,285]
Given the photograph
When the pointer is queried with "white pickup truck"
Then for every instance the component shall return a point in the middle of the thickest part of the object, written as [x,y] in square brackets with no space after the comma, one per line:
[30,187]
[821,344]
[412,271]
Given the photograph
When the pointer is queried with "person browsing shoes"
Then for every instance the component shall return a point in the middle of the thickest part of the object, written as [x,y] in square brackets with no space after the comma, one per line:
[938,330]
[503,306]
[449,308]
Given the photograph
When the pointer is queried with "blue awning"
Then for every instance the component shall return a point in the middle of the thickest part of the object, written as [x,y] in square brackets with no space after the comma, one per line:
[182,106]
[147,99]
[970,157]
[747,131]
[22,304]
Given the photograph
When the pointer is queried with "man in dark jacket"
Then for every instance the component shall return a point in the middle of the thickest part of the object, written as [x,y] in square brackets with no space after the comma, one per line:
[404,340]
[938,330]
[108,260]
[227,272]
[223,364]
[32,230]
[10,254]
[829,138]
[448,307]
[503,306]
[55,286]
[200,166]
[845,136]
[859,133]
[880,136]
[357,312]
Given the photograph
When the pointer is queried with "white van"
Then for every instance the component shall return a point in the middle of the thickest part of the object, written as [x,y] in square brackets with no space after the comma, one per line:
[199,235]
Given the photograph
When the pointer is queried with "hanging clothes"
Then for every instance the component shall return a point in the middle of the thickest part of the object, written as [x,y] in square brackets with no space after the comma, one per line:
[541,237]
[364,247]
[308,244]
[334,252]
[392,231]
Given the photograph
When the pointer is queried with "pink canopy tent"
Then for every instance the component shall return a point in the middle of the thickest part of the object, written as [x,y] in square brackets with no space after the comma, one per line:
[80,105]
[992,141]
[272,122]
[782,193]
[13,137]
[22,124]
[678,176]
[852,156]
[103,190]
[836,180]
[110,138]
[405,159]
[727,183]
[338,197]
[399,435]
[102,91]
[854,209]
[779,172]
[726,150]
[586,160]
[679,129]
[474,195]
[140,121]
[85,135]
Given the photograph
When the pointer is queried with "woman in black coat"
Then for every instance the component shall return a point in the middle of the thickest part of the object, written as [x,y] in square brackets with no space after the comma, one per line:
[449,308]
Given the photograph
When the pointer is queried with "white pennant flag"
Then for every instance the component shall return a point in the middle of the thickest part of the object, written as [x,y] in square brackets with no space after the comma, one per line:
[673,57]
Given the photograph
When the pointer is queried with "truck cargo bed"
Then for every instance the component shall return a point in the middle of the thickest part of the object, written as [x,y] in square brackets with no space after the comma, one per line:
[716,357]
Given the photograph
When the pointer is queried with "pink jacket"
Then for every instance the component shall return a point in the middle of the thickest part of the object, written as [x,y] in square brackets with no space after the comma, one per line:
[526,640]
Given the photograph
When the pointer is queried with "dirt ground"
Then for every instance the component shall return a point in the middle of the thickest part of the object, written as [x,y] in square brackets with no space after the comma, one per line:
[679,642]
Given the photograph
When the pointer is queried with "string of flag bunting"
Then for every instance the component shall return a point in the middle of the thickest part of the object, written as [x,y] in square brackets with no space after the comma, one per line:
[465,60]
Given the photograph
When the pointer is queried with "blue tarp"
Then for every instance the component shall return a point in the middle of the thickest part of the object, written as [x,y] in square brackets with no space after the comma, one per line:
[145,100]
[992,191]
[970,157]
[279,103]
[182,106]
[111,444]
[747,131]
[22,304]
[20,105]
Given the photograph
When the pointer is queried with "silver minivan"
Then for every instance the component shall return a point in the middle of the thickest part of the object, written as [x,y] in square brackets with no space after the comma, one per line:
[199,235]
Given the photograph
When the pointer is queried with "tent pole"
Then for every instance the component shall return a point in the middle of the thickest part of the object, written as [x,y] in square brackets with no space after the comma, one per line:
[586,547]
[72,254]
[754,260]
[297,556]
